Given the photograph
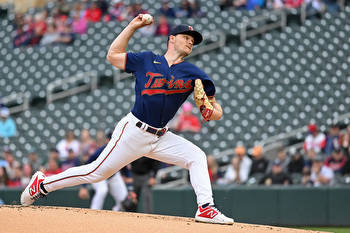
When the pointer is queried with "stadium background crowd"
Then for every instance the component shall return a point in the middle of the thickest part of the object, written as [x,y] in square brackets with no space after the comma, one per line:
[325,155]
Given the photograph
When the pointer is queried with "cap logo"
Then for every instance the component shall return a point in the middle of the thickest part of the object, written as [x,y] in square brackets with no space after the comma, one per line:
[190,28]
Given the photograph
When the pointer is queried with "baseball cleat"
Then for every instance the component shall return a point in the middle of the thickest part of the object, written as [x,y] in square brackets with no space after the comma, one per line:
[33,190]
[211,214]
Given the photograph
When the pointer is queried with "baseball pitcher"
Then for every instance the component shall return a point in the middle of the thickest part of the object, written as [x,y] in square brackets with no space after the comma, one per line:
[163,83]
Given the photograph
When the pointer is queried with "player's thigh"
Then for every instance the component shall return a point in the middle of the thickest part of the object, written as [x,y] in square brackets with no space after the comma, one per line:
[177,150]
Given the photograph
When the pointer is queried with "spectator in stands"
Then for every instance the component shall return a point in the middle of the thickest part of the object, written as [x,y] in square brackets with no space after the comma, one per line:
[12,163]
[3,177]
[306,177]
[166,10]
[51,35]
[315,7]
[196,9]
[332,140]
[239,4]
[282,158]
[79,24]
[27,173]
[118,11]
[15,180]
[34,161]
[100,138]
[336,161]
[311,155]
[315,140]
[53,154]
[62,7]
[320,174]
[52,167]
[213,168]
[87,144]
[67,36]
[296,163]
[274,4]
[93,13]
[163,26]
[185,10]
[22,38]
[103,5]
[148,30]
[69,142]
[78,9]
[225,4]
[345,142]
[71,161]
[276,176]
[259,163]
[293,3]
[254,4]
[186,121]
[7,125]
[238,170]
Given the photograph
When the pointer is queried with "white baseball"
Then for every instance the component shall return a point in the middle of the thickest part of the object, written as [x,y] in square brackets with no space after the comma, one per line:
[148,18]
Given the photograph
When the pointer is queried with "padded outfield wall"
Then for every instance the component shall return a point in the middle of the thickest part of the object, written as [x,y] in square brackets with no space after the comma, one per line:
[294,206]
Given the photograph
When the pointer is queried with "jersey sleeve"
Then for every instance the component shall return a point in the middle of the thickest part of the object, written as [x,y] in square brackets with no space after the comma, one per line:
[208,83]
[135,61]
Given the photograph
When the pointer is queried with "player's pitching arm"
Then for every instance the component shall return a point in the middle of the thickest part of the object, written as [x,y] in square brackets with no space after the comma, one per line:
[117,52]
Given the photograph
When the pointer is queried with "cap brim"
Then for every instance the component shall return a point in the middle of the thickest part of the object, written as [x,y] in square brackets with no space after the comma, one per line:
[196,36]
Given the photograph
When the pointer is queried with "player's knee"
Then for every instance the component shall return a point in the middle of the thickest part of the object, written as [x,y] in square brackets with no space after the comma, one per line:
[199,157]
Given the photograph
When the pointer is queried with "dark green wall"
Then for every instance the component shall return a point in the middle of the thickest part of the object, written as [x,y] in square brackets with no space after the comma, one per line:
[297,206]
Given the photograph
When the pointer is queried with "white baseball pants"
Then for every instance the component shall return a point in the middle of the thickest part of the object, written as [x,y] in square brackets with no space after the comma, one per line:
[129,143]
[116,187]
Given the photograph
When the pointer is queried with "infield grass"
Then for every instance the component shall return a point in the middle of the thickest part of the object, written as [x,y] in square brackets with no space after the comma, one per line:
[329,229]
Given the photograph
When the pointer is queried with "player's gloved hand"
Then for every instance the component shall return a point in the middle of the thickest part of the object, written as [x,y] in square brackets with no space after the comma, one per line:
[202,101]
[84,193]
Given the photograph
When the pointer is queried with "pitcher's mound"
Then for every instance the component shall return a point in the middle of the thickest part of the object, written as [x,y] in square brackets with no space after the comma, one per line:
[38,219]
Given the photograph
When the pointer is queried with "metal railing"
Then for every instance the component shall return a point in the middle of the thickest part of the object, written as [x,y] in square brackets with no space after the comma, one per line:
[62,88]
[270,20]
[17,102]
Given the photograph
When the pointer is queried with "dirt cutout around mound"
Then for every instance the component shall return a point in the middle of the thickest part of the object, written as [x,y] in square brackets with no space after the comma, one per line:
[37,219]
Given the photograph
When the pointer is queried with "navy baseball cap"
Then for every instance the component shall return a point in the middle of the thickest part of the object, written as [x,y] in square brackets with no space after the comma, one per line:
[188,30]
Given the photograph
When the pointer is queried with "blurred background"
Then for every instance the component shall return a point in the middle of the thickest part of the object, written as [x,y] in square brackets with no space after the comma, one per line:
[281,70]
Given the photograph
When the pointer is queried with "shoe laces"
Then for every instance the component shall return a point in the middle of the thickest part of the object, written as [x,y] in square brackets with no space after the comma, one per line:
[216,209]
[37,196]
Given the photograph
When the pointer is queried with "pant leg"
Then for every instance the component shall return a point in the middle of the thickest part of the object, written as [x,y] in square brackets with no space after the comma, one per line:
[117,189]
[127,144]
[174,149]
[143,189]
[101,191]
[147,196]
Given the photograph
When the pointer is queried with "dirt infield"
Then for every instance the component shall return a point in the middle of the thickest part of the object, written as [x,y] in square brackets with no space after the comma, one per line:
[14,219]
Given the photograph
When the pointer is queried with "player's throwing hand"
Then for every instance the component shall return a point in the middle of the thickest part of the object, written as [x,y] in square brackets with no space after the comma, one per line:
[141,21]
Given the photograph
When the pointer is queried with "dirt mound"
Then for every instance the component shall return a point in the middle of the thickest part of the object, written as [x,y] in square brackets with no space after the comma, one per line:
[38,219]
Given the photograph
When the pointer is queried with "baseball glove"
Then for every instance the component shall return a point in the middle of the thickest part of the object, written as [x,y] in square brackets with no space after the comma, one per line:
[202,101]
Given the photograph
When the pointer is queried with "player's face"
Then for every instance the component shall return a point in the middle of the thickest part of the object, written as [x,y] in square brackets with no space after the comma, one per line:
[184,44]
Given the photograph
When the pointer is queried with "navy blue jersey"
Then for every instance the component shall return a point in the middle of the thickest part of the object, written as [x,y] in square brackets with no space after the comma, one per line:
[160,90]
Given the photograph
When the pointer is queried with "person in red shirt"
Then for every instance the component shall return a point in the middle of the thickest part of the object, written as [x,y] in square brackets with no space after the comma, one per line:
[163,27]
[52,168]
[93,14]
[187,121]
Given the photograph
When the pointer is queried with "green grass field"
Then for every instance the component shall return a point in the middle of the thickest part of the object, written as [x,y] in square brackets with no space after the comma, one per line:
[329,229]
